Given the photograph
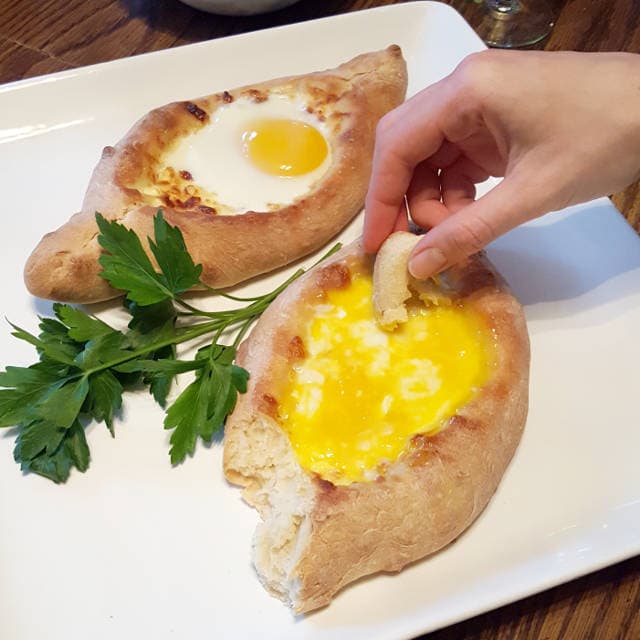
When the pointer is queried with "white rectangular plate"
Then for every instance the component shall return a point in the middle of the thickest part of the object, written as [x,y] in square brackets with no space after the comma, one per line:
[136,549]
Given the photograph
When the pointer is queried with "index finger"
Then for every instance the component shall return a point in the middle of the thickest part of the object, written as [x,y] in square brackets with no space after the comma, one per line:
[405,137]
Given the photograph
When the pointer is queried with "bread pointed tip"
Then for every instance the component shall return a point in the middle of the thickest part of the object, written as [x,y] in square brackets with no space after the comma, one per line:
[60,273]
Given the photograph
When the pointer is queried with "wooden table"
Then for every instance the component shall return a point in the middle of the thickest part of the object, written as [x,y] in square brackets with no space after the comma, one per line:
[42,36]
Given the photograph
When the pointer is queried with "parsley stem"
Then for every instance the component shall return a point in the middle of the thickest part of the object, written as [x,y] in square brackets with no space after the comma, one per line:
[257,306]
[258,303]
[180,337]
[240,335]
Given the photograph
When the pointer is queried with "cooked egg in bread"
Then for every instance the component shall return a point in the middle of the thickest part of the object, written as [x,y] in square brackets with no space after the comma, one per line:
[251,156]
[362,392]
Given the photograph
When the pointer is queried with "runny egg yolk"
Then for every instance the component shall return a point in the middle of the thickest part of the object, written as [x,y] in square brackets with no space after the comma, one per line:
[284,147]
[361,392]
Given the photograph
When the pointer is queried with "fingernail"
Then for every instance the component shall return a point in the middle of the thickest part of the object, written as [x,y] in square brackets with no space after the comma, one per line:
[426,263]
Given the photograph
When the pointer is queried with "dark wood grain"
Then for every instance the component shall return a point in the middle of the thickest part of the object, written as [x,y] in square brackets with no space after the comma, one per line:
[24,62]
[53,35]
[603,606]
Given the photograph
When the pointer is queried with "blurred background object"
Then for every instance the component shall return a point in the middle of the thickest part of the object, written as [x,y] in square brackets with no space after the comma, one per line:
[238,7]
[514,23]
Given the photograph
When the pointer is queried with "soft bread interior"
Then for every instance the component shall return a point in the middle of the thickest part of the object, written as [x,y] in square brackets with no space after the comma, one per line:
[263,461]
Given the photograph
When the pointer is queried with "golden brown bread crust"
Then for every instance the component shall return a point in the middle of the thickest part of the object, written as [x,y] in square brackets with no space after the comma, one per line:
[351,98]
[425,499]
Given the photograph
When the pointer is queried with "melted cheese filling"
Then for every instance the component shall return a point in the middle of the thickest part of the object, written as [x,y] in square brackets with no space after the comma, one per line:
[361,393]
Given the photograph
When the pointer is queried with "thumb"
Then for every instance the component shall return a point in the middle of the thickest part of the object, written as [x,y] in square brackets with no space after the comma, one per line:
[468,230]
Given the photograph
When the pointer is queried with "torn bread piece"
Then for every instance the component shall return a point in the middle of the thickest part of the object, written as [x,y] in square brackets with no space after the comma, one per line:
[393,285]
[391,279]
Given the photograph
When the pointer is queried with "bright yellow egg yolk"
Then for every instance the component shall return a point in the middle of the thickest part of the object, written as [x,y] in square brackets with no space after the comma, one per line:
[361,392]
[284,147]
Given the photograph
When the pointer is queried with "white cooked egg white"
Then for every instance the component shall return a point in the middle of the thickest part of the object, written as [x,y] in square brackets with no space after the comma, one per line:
[255,156]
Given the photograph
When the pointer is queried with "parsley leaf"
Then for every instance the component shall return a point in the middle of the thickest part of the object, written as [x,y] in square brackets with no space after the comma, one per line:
[104,398]
[126,265]
[201,408]
[178,271]
[61,405]
[149,317]
[52,348]
[80,326]
[62,450]
[24,388]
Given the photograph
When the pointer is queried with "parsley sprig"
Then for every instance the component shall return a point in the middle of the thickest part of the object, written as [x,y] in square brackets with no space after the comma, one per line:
[85,365]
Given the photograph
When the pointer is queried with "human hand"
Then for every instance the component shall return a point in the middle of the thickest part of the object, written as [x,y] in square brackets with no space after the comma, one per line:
[561,128]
